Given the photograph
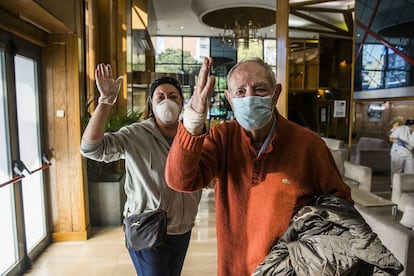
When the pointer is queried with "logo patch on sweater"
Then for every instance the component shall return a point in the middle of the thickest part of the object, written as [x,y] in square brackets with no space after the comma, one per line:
[285,181]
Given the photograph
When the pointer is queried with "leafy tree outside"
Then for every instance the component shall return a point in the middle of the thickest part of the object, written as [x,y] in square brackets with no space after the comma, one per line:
[176,61]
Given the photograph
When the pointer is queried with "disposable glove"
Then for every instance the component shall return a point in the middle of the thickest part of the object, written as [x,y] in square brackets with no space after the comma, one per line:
[107,87]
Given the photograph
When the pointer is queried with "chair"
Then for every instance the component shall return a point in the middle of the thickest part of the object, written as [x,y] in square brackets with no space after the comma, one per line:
[336,144]
[373,153]
[402,189]
[359,173]
[353,174]
[333,143]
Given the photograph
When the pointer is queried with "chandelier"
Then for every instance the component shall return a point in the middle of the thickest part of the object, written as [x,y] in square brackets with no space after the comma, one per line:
[241,32]
[240,24]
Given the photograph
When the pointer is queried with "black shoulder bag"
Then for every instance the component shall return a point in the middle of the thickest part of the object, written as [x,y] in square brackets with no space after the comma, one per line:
[145,230]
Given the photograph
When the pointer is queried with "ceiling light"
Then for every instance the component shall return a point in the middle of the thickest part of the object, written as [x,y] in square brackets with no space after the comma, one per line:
[240,24]
[241,32]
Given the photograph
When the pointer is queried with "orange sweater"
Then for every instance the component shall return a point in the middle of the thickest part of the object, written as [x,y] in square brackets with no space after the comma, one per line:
[255,196]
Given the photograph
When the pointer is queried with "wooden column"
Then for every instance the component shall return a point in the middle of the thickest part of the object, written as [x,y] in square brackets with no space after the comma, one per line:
[120,52]
[282,44]
[68,190]
[107,43]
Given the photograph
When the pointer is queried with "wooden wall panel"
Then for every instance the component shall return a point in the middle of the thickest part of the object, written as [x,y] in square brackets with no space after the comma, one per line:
[106,43]
[69,218]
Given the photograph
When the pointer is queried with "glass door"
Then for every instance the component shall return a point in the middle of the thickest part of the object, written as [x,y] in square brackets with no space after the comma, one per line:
[30,148]
[8,236]
[23,230]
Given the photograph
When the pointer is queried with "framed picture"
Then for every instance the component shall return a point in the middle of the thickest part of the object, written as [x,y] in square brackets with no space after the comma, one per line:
[339,109]
[375,112]
[323,114]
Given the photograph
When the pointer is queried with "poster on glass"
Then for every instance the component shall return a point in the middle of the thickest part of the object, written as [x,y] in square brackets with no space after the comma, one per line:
[339,109]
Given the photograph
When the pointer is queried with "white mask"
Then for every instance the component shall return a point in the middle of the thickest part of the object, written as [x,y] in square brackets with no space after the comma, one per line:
[167,111]
[253,112]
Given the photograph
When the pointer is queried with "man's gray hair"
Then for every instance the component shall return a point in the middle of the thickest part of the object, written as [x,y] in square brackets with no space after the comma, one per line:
[269,70]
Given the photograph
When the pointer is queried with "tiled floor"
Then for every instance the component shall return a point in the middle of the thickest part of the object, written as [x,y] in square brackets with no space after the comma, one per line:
[104,253]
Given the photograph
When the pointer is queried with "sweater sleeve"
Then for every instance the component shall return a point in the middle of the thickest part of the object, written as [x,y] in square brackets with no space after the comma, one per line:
[109,149]
[330,179]
[188,168]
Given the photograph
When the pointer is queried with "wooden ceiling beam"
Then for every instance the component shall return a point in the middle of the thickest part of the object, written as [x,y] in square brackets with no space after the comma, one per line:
[322,31]
[319,22]
[307,3]
[327,10]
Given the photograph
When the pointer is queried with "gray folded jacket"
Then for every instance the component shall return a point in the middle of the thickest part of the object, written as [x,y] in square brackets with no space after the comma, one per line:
[329,238]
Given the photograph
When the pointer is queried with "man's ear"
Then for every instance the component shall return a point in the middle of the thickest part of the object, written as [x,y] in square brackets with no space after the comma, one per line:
[278,90]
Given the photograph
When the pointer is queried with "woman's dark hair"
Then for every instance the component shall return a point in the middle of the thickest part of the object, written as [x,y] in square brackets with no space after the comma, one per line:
[409,122]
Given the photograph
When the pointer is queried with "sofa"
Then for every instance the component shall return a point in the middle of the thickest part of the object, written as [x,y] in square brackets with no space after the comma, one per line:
[352,174]
[393,235]
[402,189]
[373,153]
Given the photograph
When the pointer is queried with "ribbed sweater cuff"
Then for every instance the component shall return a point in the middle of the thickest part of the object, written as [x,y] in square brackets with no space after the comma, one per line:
[188,141]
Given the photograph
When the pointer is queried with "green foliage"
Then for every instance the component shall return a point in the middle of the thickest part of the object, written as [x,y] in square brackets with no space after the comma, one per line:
[97,170]
[255,50]
[116,120]
[221,83]
[175,61]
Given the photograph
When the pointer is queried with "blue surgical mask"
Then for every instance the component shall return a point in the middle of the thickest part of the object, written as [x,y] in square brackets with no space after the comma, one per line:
[253,112]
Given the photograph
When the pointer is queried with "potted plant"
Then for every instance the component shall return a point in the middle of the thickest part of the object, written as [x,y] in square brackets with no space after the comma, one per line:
[106,180]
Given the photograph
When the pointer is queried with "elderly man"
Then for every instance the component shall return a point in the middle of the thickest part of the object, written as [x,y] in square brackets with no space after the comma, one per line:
[266,167]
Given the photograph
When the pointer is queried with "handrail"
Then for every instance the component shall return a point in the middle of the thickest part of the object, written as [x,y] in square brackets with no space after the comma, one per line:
[19,167]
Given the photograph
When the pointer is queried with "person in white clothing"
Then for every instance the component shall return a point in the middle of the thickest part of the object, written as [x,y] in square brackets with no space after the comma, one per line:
[401,153]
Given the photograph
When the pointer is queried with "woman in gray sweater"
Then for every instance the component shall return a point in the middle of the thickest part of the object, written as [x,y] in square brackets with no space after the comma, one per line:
[144,146]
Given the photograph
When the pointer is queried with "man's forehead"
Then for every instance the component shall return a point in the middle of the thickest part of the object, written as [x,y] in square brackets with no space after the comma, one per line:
[249,77]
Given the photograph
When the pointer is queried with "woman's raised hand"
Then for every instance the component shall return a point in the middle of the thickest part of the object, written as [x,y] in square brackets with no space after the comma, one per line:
[107,87]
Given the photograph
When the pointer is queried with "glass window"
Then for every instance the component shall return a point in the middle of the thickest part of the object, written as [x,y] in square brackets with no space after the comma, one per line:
[383,68]
[180,55]
[269,52]
[169,54]
[373,65]
[397,73]
[254,49]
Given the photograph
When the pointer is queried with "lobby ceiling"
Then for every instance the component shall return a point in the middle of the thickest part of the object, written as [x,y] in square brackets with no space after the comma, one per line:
[307,19]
